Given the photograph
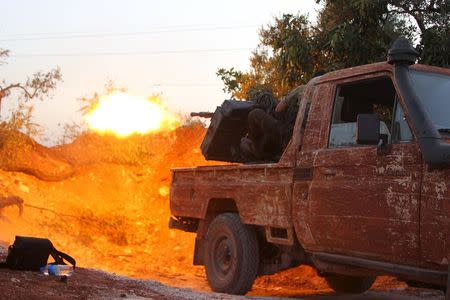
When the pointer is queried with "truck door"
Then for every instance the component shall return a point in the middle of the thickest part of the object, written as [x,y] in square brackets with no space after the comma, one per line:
[362,201]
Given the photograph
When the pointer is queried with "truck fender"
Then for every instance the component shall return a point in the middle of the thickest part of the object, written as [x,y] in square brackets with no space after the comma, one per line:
[215,207]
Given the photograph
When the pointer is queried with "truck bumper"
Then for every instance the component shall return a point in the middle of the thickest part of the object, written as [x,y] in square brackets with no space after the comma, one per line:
[184,224]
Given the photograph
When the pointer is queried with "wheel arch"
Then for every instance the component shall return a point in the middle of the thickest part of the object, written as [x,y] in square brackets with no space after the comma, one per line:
[214,207]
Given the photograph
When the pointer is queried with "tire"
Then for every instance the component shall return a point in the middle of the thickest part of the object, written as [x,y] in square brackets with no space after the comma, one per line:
[349,284]
[231,255]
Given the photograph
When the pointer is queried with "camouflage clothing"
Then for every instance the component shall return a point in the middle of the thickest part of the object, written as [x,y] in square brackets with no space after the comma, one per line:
[264,131]
[289,116]
[269,134]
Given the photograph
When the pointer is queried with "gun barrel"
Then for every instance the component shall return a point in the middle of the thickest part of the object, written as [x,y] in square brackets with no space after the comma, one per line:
[202,114]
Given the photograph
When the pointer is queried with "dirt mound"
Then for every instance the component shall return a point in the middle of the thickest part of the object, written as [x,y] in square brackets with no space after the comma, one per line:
[112,212]
[139,150]
[19,153]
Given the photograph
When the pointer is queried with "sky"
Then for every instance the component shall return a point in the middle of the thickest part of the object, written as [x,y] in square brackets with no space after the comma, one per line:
[171,47]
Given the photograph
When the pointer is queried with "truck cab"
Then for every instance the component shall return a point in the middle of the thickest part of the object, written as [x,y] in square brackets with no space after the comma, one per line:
[361,190]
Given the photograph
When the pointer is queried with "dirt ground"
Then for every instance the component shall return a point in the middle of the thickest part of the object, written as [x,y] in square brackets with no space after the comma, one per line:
[105,201]
[95,284]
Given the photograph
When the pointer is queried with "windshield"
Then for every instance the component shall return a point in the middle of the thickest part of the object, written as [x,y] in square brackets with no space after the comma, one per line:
[434,91]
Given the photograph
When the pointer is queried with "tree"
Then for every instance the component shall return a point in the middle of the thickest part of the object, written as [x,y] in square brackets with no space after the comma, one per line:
[351,33]
[363,29]
[346,34]
[432,18]
[280,61]
[37,86]
[426,13]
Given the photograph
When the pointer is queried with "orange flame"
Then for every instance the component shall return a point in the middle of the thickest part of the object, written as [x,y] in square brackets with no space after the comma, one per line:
[123,115]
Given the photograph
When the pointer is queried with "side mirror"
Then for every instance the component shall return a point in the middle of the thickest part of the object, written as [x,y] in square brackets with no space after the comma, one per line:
[368,129]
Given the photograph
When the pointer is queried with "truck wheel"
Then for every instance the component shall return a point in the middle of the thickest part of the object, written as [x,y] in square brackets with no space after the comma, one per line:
[349,284]
[231,255]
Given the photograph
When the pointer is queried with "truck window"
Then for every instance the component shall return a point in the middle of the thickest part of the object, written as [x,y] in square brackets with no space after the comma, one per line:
[400,128]
[433,90]
[368,96]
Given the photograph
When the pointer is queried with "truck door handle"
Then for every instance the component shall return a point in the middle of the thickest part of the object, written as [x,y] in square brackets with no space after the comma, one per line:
[329,172]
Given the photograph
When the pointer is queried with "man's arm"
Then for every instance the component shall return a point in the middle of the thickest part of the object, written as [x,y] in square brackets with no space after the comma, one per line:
[282,105]
[293,96]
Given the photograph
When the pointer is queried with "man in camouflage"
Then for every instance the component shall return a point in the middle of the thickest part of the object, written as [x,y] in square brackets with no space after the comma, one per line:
[270,132]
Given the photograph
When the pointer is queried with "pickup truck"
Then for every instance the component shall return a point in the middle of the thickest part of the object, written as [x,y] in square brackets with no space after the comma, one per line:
[361,190]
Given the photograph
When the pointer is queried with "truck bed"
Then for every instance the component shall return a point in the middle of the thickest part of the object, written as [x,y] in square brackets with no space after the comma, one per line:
[260,192]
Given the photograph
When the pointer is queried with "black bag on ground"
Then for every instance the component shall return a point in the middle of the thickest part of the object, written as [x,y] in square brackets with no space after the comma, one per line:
[30,254]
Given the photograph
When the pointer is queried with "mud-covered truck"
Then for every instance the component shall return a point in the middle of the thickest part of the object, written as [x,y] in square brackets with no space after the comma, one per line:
[357,192]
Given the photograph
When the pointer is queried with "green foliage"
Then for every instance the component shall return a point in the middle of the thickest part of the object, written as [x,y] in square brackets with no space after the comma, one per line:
[279,63]
[231,79]
[435,46]
[351,33]
[40,84]
[346,34]
[70,132]
[425,13]
[4,53]
[290,41]
[37,86]
[22,119]
[431,19]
